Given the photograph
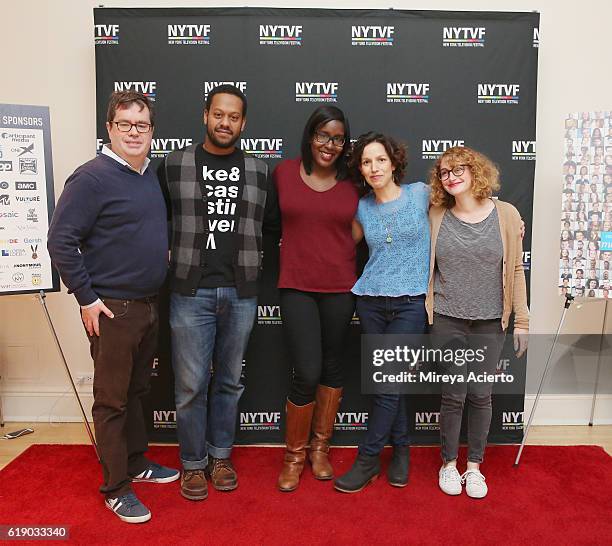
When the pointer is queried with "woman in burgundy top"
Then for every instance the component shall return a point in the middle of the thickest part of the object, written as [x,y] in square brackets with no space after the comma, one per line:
[317,271]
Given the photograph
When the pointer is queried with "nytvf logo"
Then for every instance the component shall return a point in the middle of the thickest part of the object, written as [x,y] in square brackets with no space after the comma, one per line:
[161,147]
[164,418]
[412,93]
[260,420]
[316,91]
[536,37]
[269,314]
[106,34]
[209,86]
[264,148]
[427,420]
[498,93]
[188,34]
[372,35]
[434,148]
[290,35]
[351,420]
[148,89]
[512,420]
[523,150]
[463,36]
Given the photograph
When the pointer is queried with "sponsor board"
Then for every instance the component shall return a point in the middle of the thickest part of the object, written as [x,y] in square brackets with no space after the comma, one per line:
[463,36]
[316,92]
[372,35]
[106,34]
[280,35]
[498,93]
[188,34]
[405,92]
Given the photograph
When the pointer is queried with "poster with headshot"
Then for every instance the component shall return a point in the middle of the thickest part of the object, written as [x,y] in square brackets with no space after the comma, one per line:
[585,246]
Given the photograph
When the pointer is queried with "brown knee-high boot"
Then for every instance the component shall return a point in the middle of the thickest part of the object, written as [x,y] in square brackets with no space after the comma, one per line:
[299,419]
[326,406]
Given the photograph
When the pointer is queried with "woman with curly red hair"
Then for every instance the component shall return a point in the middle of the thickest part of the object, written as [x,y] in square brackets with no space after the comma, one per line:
[476,282]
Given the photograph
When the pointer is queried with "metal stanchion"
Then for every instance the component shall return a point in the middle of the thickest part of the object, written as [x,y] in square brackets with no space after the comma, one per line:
[41,297]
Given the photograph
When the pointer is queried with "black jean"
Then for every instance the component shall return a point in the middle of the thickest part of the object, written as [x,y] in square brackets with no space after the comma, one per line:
[315,325]
[462,333]
[123,359]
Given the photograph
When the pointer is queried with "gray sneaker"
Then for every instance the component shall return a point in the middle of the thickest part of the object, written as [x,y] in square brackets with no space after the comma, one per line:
[128,508]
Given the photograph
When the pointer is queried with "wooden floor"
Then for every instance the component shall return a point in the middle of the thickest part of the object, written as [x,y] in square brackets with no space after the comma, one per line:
[74,433]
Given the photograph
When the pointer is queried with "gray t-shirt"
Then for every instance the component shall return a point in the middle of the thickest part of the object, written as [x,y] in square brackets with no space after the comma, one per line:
[468,273]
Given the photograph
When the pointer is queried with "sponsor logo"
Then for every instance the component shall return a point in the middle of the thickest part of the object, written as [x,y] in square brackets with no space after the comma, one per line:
[498,93]
[9,214]
[269,314]
[28,199]
[32,216]
[432,149]
[9,241]
[355,319]
[106,34]
[286,35]
[27,228]
[27,266]
[18,277]
[523,150]
[25,150]
[463,36]
[411,93]
[25,186]
[351,421]
[5,199]
[316,92]
[34,249]
[372,35]
[6,166]
[36,279]
[605,243]
[28,165]
[261,420]
[164,419]
[188,34]
[4,185]
[527,260]
[263,148]
[23,138]
[161,147]
[427,420]
[12,252]
[148,89]
[209,86]
[536,37]
[33,241]
[512,420]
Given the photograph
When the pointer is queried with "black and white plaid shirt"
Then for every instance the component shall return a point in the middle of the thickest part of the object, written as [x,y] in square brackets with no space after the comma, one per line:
[188,212]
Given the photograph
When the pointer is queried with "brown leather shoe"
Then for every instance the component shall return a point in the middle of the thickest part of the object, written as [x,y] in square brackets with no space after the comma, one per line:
[296,437]
[193,485]
[222,474]
[326,407]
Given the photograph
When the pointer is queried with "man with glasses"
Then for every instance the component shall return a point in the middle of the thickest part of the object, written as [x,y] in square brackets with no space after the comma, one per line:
[108,239]
[219,200]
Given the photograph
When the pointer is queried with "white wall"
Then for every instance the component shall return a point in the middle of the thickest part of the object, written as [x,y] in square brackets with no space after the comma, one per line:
[48,59]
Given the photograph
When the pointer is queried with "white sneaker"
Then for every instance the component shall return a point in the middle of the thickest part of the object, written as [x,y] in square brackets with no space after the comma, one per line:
[449,480]
[475,485]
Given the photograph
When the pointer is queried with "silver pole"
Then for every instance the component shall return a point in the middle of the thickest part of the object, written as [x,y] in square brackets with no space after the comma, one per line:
[41,297]
[603,332]
[566,305]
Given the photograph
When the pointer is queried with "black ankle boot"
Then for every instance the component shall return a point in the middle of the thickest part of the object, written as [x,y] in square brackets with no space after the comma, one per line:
[365,470]
[397,473]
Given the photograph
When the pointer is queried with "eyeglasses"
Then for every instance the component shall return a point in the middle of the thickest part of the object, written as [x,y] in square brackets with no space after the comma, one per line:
[126,126]
[443,174]
[337,140]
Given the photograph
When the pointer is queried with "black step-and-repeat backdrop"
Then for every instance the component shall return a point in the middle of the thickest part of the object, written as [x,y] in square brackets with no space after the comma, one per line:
[431,79]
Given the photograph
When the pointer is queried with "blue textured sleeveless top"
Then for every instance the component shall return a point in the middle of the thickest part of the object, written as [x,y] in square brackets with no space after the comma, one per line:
[398,238]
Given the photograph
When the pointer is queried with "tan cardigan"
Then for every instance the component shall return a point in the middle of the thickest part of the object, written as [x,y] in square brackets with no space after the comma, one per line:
[513,275]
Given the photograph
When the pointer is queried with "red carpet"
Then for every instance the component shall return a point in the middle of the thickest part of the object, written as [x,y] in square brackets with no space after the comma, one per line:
[559,495]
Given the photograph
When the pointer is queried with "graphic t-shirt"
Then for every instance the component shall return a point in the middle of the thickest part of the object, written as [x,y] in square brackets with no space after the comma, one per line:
[221,178]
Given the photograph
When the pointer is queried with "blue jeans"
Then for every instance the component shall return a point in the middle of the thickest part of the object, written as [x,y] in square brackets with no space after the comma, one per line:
[388,418]
[210,328]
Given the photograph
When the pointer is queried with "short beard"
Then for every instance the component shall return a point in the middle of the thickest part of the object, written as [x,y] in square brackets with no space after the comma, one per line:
[219,144]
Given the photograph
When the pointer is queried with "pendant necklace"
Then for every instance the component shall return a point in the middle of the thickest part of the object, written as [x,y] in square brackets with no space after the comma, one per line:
[389,236]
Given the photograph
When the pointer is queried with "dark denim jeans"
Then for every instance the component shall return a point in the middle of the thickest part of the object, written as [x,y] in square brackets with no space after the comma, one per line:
[210,329]
[388,418]
[463,333]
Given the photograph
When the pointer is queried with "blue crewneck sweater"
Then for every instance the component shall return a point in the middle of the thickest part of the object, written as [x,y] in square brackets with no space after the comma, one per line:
[108,235]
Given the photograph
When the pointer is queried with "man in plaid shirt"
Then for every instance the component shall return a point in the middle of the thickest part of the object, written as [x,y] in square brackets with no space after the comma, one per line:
[219,201]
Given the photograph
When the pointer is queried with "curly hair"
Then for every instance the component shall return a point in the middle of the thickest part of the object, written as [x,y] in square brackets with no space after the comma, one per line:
[485,175]
[395,150]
